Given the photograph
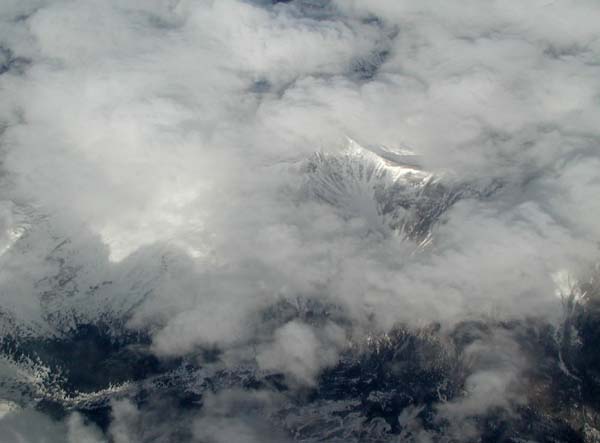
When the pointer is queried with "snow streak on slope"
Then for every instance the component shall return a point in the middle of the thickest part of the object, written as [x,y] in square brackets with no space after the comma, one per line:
[387,188]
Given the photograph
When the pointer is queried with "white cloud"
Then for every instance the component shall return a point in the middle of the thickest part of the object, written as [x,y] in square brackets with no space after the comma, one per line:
[297,350]
[167,142]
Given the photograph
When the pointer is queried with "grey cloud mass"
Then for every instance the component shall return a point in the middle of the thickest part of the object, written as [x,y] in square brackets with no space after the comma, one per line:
[241,210]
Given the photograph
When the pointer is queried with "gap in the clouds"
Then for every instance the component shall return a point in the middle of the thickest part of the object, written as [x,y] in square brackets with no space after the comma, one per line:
[11,63]
[585,357]
[365,69]
[261,86]
[378,378]
[388,190]
[401,369]
[91,357]
[423,370]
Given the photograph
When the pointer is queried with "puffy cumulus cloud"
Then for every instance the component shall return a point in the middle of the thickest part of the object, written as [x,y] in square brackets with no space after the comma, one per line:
[297,350]
[139,118]
[125,427]
[171,123]
[158,169]
[29,426]
[496,367]
[81,432]
[239,416]
[157,419]
[485,69]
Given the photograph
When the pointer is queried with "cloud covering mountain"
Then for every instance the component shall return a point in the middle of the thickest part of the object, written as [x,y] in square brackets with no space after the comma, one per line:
[244,204]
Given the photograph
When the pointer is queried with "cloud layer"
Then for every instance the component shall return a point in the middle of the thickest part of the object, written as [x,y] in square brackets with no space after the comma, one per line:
[182,168]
